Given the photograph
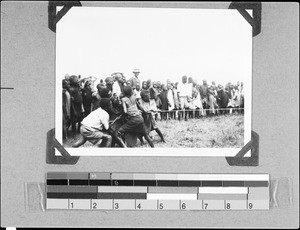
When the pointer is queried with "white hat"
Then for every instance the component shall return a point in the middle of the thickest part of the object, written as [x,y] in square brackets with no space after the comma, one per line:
[136,71]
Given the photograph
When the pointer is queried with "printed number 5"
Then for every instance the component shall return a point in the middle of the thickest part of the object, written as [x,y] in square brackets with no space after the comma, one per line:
[161,206]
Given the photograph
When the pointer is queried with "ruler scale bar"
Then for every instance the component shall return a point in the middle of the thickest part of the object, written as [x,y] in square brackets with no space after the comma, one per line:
[149,191]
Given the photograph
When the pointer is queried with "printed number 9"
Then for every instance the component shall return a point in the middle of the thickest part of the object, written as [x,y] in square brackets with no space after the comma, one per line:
[250,205]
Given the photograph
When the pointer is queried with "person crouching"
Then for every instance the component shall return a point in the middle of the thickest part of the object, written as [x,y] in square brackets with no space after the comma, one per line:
[94,127]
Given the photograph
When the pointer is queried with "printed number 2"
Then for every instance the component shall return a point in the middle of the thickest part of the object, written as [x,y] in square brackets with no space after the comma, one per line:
[94,205]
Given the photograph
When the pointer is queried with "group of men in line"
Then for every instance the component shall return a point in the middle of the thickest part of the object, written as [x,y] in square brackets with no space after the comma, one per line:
[170,100]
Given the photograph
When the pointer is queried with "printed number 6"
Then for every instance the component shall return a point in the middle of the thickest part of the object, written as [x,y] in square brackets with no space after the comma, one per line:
[183,206]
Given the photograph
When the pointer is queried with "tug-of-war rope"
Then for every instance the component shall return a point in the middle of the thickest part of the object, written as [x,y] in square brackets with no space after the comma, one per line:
[173,114]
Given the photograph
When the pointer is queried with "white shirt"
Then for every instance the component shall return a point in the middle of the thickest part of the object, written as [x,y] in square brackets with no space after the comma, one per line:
[97,119]
[185,89]
[116,89]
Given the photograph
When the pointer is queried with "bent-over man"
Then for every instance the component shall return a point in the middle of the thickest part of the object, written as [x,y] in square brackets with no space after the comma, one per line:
[94,127]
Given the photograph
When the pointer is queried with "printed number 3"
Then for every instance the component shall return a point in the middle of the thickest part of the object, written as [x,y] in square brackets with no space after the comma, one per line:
[116,205]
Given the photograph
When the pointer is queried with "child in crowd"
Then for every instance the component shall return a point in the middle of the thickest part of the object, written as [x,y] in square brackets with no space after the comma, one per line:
[171,103]
[164,102]
[135,122]
[148,112]
[137,92]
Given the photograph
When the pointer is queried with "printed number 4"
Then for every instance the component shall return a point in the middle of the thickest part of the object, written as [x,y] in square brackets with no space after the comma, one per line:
[139,206]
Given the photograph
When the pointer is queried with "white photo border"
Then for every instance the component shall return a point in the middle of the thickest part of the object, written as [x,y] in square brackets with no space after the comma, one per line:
[159,152]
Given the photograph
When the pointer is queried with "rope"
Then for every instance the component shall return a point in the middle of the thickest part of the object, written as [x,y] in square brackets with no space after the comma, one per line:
[191,110]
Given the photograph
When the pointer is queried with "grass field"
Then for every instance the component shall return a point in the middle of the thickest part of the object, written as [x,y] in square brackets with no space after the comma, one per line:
[224,131]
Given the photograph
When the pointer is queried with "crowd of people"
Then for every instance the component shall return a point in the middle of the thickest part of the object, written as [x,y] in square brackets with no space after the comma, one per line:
[143,103]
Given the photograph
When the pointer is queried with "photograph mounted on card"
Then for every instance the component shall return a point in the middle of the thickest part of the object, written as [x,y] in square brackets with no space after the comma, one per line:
[179,80]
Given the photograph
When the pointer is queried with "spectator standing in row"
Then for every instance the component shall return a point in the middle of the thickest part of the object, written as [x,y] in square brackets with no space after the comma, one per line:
[87,97]
[135,80]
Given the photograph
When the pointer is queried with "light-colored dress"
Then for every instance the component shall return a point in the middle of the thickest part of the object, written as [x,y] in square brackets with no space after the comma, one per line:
[171,100]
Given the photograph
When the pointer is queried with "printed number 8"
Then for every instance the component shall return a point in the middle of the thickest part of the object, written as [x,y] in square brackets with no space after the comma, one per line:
[228,205]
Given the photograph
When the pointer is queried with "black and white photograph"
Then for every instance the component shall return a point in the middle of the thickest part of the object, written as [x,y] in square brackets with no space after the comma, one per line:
[169,78]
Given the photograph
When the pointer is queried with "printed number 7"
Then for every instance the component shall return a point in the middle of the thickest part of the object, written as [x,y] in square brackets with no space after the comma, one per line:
[205,206]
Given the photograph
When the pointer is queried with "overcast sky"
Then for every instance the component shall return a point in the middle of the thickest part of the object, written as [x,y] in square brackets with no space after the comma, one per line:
[162,43]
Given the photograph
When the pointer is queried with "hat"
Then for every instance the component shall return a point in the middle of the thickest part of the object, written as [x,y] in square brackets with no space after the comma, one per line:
[136,71]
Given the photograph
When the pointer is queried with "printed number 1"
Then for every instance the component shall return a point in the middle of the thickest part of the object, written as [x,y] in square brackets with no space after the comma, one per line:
[72,205]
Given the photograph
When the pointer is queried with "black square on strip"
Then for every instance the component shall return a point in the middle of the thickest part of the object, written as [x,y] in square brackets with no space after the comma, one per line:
[100,182]
[189,183]
[167,183]
[207,183]
[78,182]
[145,183]
[122,182]
[72,195]
[57,182]
[233,183]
